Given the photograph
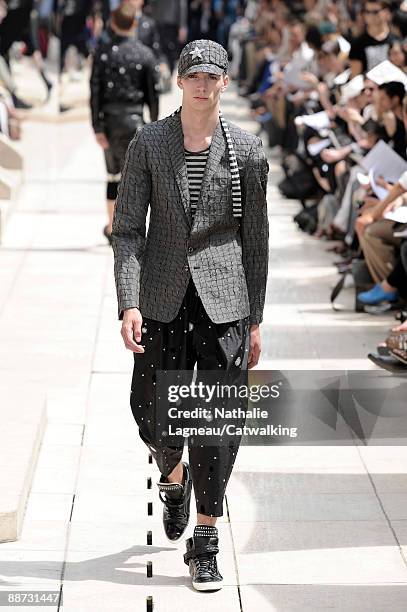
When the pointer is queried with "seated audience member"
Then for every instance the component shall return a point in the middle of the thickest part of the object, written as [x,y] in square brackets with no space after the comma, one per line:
[377,240]
[371,48]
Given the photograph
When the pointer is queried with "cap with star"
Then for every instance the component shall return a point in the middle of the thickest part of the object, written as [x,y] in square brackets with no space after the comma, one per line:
[202,56]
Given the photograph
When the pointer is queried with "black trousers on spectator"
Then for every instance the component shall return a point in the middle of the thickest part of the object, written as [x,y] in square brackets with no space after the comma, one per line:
[73,33]
[169,43]
[191,338]
[398,276]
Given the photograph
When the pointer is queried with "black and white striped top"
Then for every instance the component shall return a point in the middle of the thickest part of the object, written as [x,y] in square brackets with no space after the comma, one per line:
[196,163]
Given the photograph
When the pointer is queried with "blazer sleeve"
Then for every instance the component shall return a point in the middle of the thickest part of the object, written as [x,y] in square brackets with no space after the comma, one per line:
[255,230]
[129,224]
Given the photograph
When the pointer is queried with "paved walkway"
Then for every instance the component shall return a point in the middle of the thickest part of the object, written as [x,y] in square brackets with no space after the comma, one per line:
[304,528]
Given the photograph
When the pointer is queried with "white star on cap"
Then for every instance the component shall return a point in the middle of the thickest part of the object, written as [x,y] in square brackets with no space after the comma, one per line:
[197,52]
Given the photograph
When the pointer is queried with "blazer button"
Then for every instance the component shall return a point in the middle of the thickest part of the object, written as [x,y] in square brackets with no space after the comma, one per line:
[190,249]
[186,268]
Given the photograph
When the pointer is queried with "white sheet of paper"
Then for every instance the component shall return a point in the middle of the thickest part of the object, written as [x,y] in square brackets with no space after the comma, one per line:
[352,89]
[314,148]
[344,45]
[399,215]
[385,72]
[318,121]
[292,77]
[363,179]
[380,192]
[343,77]
[385,162]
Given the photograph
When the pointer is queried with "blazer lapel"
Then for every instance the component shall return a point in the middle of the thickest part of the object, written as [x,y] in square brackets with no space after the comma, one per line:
[175,144]
[216,152]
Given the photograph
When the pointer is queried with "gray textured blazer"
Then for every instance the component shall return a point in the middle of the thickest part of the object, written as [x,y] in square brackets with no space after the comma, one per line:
[228,263]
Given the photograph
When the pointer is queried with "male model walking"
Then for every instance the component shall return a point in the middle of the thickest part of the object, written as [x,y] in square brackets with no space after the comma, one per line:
[125,76]
[193,290]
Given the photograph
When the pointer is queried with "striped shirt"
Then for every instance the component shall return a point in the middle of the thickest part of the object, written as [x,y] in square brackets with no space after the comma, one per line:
[196,163]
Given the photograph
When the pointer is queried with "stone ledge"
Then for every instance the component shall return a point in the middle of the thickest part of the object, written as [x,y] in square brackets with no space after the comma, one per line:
[10,183]
[23,420]
[10,156]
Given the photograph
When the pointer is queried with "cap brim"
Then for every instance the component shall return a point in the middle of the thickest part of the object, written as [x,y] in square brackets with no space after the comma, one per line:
[203,68]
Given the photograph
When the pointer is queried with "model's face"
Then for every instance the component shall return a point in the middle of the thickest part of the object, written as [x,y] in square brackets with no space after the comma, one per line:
[201,90]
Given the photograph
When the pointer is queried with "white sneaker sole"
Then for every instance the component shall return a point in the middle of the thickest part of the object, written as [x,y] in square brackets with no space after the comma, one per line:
[207,586]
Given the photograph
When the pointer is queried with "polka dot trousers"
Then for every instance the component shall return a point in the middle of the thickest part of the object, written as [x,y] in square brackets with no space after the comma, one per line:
[190,339]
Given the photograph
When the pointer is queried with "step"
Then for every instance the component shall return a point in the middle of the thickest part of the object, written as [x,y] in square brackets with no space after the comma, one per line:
[10,156]
[10,183]
[23,420]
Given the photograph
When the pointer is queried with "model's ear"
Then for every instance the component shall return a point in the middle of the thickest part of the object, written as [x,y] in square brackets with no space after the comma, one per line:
[179,82]
[225,82]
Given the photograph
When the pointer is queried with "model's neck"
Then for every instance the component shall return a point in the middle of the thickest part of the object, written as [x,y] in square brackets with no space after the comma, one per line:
[199,123]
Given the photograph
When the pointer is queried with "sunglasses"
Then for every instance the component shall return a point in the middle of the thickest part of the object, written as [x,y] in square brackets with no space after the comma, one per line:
[372,11]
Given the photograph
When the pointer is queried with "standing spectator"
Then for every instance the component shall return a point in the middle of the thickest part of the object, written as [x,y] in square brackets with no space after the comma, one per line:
[201,20]
[171,19]
[18,25]
[72,18]
[226,12]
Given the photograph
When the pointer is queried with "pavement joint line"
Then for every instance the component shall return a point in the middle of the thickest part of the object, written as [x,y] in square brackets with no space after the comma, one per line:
[16,277]
[234,554]
[86,416]
[399,545]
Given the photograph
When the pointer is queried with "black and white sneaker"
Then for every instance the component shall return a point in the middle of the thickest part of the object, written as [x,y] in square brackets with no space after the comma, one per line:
[176,500]
[201,553]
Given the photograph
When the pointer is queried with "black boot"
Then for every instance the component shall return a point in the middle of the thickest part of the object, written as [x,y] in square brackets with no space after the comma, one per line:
[201,553]
[177,500]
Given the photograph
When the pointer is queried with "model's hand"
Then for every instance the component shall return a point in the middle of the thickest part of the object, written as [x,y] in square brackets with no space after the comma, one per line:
[131,330]
[102,140]
[254,346]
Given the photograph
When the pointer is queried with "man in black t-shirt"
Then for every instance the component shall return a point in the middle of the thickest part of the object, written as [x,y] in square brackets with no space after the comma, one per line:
[371,48]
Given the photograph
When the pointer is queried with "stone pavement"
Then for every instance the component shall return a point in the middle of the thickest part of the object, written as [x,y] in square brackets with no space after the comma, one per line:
[304,528]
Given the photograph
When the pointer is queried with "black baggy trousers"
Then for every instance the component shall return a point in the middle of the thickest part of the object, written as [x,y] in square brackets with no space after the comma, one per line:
[190,339]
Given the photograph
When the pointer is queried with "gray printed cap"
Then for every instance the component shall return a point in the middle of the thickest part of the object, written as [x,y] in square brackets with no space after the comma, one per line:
[203,56]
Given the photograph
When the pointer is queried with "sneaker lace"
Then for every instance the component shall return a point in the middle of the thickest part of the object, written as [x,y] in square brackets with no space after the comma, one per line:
[206,562]
[176,507]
